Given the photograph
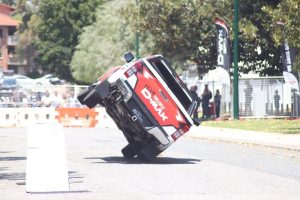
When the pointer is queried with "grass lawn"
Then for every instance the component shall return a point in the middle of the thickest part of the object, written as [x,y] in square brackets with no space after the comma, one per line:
[265,125]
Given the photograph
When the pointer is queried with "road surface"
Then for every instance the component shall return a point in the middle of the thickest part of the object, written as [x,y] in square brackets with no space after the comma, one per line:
[190,169]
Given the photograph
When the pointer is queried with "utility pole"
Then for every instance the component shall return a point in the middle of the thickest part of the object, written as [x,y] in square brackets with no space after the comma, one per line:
[137,45]
[236,67]
[137,40]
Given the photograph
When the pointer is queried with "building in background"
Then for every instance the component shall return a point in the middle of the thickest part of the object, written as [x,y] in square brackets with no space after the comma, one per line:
[9,60]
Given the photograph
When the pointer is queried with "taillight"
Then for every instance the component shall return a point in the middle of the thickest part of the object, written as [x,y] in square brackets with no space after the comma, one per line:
[177,134]
[137,67]
[129,72]
[184,128]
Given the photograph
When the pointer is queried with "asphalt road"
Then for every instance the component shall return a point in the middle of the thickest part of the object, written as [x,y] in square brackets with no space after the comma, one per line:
[189,169]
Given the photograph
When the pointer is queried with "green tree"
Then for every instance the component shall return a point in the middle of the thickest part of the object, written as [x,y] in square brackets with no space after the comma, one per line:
[286,12]
[258,51]
[178,28]
[184,30]
[26,13]
[59,24]
[103,43]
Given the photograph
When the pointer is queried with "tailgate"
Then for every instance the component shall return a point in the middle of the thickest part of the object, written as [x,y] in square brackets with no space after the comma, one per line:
[159,102]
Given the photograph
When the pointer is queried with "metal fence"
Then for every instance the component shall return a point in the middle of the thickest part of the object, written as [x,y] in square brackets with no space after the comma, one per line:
[41,96]
[258,97]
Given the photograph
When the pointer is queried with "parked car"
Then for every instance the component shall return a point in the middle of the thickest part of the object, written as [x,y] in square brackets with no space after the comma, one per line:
[48,79]
[24,80]
[148,102]
[8,83]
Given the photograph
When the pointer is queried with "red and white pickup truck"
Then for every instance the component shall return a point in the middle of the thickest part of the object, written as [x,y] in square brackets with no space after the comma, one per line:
[148,102]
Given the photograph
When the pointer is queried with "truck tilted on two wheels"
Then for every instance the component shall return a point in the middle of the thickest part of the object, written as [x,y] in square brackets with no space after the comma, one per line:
[148,102]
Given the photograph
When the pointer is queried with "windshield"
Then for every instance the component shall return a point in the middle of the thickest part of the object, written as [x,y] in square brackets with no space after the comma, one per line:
[9,81]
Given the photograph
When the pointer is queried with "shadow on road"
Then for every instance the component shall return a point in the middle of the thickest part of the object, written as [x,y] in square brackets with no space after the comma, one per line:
[12,158]
[158,160]
[74,177]
[12,176]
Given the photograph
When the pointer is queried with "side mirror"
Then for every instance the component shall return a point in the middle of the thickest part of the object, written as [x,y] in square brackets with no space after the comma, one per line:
[128,57]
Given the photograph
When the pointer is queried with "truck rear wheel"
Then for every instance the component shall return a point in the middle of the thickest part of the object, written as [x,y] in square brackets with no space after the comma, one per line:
[127,152]
[131,150]
[149,153]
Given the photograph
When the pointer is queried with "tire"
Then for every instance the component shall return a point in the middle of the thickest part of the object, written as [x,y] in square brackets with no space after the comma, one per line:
[128,151]
[142,157]
[131,150]
[148,153]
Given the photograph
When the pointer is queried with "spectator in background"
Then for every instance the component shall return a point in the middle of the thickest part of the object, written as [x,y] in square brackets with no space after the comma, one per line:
[276,102]
[33,100]
[56,100]
[46,99]
[24,100]
[206,96]
[72,101]
[195,96]
[217,101]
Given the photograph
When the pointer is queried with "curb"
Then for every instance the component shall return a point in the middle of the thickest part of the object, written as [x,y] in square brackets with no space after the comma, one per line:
[274,140]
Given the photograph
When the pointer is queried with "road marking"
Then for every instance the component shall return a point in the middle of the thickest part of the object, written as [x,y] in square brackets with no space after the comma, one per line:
[46,169]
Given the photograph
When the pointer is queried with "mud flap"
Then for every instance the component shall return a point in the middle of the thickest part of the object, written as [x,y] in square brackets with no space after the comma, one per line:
[94,94]
[103,89]
[82,95]
[91,99]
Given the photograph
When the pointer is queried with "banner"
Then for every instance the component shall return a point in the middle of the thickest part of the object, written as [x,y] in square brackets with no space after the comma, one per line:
[223,48]
[223,45]
[288,57]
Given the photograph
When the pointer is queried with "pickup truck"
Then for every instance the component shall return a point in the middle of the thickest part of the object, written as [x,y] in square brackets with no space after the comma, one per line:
[148,102]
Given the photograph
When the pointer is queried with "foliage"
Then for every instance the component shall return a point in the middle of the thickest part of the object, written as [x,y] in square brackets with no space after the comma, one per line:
[257,49]
[26,11]
[286,12]
[182,30]
[57,25]
[103,43]
[185,30]
[175,27]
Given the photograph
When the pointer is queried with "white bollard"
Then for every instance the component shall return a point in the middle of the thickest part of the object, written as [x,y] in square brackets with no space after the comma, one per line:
[46,169]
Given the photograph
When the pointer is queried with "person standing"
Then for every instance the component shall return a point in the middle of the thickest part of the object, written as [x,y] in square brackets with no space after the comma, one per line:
[206,96]
[276,102]
[195,96]
[217,101]
[46,99]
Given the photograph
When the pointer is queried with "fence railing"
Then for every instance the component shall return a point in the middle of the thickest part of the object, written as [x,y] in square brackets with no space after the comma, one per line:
[41,96]
[258,97]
